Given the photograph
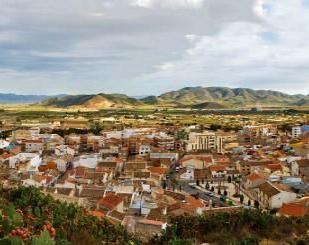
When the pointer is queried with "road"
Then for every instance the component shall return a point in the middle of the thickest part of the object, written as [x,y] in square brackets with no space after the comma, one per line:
[202,195]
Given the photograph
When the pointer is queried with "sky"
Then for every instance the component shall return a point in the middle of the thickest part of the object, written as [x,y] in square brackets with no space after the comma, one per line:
[147,47]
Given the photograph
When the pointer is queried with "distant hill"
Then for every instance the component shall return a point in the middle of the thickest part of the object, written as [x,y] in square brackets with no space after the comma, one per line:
[22,99]
[193,97]
[226,96]
[94,101]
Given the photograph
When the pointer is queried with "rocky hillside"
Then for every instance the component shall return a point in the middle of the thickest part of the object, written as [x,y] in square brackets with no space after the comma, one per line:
[227,97]
[194,97]
[94,101]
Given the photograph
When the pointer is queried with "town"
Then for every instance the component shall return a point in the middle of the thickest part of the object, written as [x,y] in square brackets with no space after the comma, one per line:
[140,169]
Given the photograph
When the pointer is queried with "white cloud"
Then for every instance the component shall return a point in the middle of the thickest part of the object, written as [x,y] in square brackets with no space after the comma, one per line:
[273,54]
[94,46]
[170,4]
[166,66]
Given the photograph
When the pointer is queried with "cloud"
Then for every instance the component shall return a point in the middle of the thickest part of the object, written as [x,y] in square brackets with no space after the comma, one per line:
[170,4]
[150,46]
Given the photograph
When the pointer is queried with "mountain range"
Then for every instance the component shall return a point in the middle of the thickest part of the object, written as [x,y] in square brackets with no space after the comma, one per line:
[189,97]
[10,98]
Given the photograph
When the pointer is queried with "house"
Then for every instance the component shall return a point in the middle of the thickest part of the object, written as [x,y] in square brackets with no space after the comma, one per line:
[298,208]
[270,196]
[39,180]
[166,158]
[200,161]
[111,202]
[300,168]
[157,172]
[4,144]
[25,161]
[144,149]
[88,161]
[33,145]
[253,180]
[62,164]
[218,171]
[186,173]
[148,228]
[62,150]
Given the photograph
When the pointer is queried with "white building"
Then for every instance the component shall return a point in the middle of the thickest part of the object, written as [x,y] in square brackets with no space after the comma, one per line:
[30,160]
[207,140]
[296,131]
[34,145]
[88,161]
[144,149]
[4,144]
[270,196]
[62,150]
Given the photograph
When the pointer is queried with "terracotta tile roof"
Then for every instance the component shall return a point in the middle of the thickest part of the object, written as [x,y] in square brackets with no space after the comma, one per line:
[150,222]
[111,201]
[294,209]
[274,166]
[115,215]
[254,177]
[157,170]
[268,189]
[207,158]
[303,163]
[80,172]
[92,192]
[202,173]
[217,168]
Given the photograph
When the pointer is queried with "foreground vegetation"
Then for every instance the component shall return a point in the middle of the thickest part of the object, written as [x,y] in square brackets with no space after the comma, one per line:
[27,216]
[30,217]
[242,227]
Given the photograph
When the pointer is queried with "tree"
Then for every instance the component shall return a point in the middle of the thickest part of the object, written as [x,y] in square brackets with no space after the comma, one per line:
[197,182]
[229,179]
[241,198]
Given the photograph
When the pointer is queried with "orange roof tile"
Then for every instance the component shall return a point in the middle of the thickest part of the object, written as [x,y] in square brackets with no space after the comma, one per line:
[217,168]
[111,201]
[294,209]
[157,170]
[254,177]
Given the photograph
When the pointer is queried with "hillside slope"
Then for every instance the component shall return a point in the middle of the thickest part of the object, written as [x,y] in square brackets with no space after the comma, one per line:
[94,101]
[194,97]
[226,96]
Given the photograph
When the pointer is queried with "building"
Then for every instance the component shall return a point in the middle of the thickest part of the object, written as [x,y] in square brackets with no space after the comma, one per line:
[200,161]
[300,168]
[296,131]
[299,130]
[270,196]
[111,202]
[208,141]
[253,180]
[298,208]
